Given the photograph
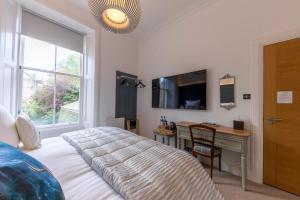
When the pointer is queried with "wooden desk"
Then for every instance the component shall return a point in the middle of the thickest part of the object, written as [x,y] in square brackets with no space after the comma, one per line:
[226,138]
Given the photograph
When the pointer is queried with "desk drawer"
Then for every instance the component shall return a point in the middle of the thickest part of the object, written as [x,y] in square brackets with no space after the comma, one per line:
[222,141]
[183,133]
[229,144]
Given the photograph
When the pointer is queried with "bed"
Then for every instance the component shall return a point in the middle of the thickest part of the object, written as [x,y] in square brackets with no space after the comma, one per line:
[109,163]
[71,158]
[104,163]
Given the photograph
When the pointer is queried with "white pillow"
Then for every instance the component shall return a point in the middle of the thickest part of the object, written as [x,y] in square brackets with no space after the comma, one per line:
[29,135]
[8,131]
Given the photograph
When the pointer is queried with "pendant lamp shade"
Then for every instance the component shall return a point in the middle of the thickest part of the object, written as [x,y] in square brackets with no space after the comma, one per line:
[118,16]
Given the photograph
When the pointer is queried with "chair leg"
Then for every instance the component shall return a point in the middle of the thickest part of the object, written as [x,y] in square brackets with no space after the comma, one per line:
[220,161]
[211,167]
[193,153]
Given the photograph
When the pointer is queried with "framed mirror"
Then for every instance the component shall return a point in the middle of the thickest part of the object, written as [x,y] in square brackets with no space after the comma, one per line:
[227,94]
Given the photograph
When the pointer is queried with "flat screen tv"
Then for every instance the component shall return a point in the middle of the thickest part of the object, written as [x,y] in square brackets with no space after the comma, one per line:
[183,91]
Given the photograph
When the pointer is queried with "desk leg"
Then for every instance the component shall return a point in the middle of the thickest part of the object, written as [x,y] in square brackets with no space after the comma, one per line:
[244,170]
[168,141]
[244,164]
[178,143]
[155,137]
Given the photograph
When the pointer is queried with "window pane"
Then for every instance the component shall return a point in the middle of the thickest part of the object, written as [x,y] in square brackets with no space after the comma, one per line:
[67,99]
[38,54]
[68,61]
[38,96]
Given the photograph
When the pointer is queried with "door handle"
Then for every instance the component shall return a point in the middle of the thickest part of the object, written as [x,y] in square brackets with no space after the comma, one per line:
[271,120]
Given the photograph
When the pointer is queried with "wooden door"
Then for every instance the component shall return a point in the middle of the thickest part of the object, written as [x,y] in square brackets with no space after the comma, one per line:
[282,115]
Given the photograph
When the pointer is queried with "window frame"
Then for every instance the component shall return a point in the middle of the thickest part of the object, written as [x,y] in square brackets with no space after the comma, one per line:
[81,77]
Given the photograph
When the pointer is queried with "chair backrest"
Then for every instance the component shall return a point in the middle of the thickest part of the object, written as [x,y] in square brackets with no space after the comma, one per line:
[201,140]
[115,122]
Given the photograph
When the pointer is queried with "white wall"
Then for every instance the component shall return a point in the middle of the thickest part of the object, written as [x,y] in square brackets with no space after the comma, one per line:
[218,38]
[118,53]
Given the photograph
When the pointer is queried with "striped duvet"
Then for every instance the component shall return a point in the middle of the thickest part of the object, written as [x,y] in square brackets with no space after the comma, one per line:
[141,169]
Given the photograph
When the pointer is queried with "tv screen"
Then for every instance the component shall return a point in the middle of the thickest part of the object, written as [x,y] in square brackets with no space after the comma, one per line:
[184,91]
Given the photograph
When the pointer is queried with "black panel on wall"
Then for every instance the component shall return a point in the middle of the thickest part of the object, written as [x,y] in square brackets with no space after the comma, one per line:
[126,97]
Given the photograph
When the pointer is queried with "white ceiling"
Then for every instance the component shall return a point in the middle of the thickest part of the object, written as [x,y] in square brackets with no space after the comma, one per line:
[157,12]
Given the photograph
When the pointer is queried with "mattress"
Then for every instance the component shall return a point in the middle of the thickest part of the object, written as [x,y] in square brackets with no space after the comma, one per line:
[77,179]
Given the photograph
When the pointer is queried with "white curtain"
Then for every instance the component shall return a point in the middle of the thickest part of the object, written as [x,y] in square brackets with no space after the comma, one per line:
[9,29]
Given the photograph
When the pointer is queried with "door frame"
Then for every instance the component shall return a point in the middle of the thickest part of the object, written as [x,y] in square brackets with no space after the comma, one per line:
[256,105]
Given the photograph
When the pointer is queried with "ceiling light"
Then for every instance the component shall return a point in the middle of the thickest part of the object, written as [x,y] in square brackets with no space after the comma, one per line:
[116,16]
[119,16]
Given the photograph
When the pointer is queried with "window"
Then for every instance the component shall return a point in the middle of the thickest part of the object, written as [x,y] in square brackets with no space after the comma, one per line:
[50,83]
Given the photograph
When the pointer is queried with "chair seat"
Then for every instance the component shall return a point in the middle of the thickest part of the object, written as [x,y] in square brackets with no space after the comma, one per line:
[205,149]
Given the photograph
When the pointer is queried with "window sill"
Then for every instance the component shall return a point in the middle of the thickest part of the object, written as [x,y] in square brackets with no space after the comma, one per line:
[56,130]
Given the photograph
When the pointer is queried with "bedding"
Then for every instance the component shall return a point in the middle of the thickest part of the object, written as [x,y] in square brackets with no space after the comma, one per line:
[139,168]
[77,179]
[23,177]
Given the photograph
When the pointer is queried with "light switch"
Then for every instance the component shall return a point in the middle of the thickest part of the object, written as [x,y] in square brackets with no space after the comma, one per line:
[246,96]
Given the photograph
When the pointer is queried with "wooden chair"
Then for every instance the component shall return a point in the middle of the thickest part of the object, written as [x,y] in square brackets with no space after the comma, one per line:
[205,147]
